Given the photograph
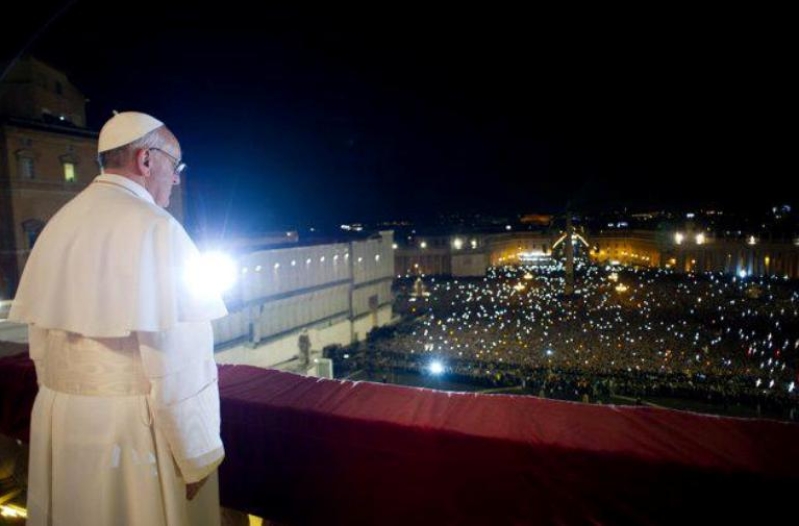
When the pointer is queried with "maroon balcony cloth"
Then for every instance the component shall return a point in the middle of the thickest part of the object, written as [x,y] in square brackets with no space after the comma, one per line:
[17,391]
[309,451]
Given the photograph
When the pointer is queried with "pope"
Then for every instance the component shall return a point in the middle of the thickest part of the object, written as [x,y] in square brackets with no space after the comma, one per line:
[125,428]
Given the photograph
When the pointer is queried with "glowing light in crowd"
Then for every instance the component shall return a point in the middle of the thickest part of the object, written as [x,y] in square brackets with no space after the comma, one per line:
[458,243]
[678,238]
[751,240]
[481,324]
[742,273]
[700,239]
[436,367]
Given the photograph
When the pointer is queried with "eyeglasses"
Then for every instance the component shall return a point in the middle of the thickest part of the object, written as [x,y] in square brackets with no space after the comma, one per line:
[179,166]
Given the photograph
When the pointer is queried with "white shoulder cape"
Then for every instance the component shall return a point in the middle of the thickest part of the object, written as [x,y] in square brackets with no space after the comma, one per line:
[111,262]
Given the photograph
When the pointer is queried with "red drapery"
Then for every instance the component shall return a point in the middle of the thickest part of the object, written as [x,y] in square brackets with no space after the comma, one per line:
[312,451]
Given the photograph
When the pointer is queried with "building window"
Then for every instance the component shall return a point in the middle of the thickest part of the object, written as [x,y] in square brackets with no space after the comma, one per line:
[69,161]
[25,165]
[69,172]
[32,229]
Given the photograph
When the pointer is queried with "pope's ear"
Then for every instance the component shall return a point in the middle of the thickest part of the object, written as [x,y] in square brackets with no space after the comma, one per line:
[143,161]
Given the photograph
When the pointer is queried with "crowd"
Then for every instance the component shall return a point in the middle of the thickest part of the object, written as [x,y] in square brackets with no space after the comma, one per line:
[641,333]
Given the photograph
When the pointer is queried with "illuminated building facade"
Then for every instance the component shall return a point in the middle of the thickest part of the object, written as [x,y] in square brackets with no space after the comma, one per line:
[46,157]
[331,294]
[690,251]
[628,247]
[693,251]
[470,255]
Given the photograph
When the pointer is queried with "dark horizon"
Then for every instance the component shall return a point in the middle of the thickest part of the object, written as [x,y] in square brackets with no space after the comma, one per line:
[301,118]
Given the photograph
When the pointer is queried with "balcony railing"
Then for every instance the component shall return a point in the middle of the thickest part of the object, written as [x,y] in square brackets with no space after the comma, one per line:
[304,450]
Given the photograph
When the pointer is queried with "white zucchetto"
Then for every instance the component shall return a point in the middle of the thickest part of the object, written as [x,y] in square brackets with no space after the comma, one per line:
[124,128]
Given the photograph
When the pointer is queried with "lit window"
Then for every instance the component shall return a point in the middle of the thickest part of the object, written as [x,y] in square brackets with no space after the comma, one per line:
[69,172]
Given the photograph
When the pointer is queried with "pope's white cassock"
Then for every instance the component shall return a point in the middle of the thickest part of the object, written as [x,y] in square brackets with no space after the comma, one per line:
[128,403]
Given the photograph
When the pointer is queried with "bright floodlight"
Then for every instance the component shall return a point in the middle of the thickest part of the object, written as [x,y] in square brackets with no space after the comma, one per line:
[700,239]
[678,237]
[214,272]
[742,273]
[436,367]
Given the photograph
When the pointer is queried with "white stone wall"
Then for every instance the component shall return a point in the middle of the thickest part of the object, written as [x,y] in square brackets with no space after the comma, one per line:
[318,289]
[234,326]
[285,348]
[373,259]
[273,272]
[278,316]
[361,295]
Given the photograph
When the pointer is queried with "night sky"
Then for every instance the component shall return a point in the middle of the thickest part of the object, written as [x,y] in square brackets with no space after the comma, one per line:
[290,117]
